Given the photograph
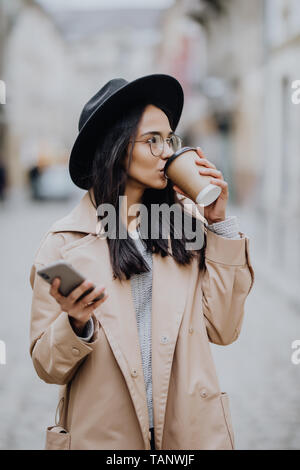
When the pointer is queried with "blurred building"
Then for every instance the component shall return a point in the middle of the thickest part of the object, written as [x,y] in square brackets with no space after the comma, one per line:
[279,203]
[55,60]
[230,123]
[250,125]
[35,73]
[8,13]
[182,54]
[104,44]
[201,46]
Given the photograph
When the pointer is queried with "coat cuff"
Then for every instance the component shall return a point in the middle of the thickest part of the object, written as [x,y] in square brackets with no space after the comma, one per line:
[228,228]
[66,340]
[88,331]
[233,252]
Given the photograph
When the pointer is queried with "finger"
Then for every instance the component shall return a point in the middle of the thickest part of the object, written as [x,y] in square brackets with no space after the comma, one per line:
[221,183]
[94,305]
[54,290]
[178,190]
[211,172]
[205,162]
[200,152]
[55,284]
[90,297]
[76,293]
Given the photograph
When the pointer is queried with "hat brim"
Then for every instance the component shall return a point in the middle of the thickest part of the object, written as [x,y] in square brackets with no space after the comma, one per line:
[159,88]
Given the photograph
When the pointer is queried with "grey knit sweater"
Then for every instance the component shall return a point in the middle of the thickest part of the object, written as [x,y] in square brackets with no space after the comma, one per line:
[141,288]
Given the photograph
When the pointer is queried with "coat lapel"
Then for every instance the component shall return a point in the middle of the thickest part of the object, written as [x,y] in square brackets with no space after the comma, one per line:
[117,314]
[169,295]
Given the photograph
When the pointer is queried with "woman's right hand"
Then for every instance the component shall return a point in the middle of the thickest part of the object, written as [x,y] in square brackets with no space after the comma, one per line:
[79,311]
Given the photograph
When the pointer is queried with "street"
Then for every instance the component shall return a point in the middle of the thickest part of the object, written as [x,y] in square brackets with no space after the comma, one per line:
[256,371]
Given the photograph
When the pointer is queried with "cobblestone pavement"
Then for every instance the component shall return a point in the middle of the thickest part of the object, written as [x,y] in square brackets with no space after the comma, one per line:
[256,371]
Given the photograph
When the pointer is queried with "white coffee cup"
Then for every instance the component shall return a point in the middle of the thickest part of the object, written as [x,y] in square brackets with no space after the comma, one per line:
[184,173]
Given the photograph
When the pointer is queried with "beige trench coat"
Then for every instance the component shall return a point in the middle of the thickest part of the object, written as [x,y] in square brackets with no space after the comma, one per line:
[103,402]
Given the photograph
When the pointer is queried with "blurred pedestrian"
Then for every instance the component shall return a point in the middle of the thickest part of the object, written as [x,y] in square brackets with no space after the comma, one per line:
[33,176]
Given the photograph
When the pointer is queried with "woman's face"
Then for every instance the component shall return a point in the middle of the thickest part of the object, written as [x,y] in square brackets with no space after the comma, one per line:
[145,169]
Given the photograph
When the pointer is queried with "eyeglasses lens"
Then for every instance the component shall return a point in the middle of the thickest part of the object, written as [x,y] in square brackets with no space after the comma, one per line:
[157,144]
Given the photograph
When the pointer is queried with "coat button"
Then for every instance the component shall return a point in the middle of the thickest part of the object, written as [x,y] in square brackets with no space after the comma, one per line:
[164,340]
[75,351]
[134,373]
[191,330]
[203,393]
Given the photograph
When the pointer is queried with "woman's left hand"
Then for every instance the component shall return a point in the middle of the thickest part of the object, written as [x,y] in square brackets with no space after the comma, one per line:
[216,211]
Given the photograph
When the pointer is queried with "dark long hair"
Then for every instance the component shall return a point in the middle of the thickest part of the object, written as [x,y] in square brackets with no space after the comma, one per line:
[109,177]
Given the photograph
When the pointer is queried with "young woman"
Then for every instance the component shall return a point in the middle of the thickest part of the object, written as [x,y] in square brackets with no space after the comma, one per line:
[135,368]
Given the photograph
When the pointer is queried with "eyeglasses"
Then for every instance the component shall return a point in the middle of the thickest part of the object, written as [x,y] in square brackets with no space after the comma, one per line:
[157,144]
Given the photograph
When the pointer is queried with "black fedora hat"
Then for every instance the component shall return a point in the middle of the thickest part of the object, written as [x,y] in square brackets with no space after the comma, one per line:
[112,99]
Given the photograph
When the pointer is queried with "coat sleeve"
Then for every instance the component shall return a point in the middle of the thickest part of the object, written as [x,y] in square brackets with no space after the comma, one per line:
[226,283]
[55,349]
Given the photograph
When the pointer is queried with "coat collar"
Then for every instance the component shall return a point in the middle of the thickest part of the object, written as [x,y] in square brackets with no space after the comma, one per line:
[83,218]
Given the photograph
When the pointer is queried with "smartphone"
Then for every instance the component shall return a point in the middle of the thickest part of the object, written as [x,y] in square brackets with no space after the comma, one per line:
[69,276]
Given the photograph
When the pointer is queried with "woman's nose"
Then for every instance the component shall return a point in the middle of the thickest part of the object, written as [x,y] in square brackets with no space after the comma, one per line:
[167,153]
